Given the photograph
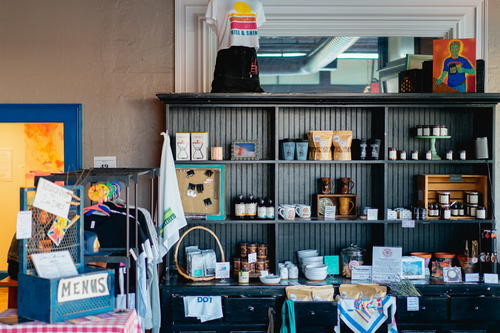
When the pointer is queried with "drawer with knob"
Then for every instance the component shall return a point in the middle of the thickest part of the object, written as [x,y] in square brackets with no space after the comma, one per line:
[247,309]
[475,308]
[431,308]
[319,313]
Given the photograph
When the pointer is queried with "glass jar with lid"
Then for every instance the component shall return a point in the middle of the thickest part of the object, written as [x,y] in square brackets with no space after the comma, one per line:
[351,256]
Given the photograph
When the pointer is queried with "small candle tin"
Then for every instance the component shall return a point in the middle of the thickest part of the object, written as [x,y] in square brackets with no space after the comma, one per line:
[444,198]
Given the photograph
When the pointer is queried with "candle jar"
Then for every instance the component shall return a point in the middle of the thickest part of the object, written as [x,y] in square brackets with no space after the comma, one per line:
[244,277]
[481,213]
[393,154]
[426,130]
[444,198]
[463,155]
[414,155]
[472,198]
[444,130]
[449,155]
[420,130]
[436,130]
[428,156]
[402,155]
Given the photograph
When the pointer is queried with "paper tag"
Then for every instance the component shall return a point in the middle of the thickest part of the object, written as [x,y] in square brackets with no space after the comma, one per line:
[252,257]
[490,278]
[471,277]
[363,272]
[412,304]
[330,212]
[222,270]
[104,161]
[52,198]
[92,225]
[24,221]
[408,223]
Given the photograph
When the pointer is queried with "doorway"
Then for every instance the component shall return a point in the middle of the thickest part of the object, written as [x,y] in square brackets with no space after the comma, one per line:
[35,139]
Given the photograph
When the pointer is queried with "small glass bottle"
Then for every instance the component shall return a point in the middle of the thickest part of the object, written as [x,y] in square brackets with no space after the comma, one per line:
[251,207]
[463,155]
[402,155]
[261,209]
[393,154]
[239,208]
[454,209]
[445,212]
[269,209]
[461,210]
[428,155]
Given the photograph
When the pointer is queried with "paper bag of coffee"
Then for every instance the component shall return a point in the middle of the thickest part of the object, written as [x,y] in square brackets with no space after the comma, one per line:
[342,141]
[195,264]
[320,144]
[209,260]
[357,291]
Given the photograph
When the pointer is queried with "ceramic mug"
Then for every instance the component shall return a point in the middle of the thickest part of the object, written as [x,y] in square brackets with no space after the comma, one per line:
[324,184]
[287,212]
[303,211]
[346,185]
[346,206]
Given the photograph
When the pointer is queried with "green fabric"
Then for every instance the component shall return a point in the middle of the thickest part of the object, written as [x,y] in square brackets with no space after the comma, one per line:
[288,311]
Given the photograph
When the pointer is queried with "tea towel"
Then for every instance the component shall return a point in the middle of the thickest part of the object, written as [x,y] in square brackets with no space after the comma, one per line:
[367,315]
[204,308]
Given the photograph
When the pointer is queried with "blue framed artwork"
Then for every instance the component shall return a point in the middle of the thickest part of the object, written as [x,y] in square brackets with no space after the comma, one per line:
[201,188]
[70,115]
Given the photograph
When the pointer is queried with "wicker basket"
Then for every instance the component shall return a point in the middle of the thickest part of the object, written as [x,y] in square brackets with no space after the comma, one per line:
[182,270]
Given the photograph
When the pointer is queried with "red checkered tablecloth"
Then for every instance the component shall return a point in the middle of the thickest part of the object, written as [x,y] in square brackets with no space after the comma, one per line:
[119,322]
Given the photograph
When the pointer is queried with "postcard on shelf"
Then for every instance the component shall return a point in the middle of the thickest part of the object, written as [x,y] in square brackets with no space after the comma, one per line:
[386,263]
[454,65]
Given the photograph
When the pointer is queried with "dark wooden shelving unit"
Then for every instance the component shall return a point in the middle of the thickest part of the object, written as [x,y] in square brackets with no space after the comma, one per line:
[382,183]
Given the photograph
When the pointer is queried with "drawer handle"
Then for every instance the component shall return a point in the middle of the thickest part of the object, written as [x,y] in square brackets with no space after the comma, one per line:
[423,307]
[251,309]
[312,313]
[476,308]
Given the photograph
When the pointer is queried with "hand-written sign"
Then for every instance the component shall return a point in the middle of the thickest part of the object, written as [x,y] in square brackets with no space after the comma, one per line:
[52,198]
[82,287]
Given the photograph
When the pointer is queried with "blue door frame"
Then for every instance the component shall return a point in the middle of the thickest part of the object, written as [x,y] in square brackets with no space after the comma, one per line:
[68,114]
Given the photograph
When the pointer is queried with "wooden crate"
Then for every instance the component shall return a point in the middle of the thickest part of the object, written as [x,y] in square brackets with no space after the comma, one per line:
[457,185]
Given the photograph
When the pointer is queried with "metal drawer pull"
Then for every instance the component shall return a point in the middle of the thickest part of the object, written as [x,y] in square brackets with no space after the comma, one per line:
[476,308]
[423,307]
[312,313]
[251,309]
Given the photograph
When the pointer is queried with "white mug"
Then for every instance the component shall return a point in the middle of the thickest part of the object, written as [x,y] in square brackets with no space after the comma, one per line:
[293,272]
[284,273]
[287,212]
[303,211]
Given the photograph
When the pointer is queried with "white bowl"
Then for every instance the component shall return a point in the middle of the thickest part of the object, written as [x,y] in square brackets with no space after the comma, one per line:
[315,276]
[315,265]
[270,279]
[307,253]
[316,268]
[312,260]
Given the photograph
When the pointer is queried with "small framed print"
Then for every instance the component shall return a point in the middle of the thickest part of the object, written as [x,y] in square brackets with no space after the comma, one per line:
[244,150]
[452,274]
[413,268]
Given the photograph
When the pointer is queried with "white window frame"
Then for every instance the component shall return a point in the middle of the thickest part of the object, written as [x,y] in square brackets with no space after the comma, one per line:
[195,44]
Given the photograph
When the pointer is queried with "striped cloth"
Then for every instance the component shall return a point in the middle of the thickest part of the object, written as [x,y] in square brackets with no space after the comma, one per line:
[119,322]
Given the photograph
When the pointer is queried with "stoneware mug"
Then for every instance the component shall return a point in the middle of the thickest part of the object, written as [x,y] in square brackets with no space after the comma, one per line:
[303,211]
[346,206]
[287,212]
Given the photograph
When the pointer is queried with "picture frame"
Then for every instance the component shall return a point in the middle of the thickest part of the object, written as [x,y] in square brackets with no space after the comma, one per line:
[412,268]
[194,197]
[245,150]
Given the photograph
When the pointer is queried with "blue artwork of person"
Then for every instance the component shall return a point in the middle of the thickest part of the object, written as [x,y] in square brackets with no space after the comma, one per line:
[456,67]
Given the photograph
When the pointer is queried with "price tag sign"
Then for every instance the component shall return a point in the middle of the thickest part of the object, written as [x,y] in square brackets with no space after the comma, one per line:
[471,277]
[330,212]
[412,304]
[252,257]
[222,270]
[408,223]
[490,278]
[24,221]
[361,273]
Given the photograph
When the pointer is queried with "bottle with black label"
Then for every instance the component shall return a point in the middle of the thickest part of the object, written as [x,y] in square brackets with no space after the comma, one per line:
[269,209]
[261,209]
[239,207]
[251,207]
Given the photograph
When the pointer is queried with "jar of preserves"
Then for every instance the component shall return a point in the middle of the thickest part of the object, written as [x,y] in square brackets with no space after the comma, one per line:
[245,265]
[472,197]
[426,130]
[402,155]
[481,213]
[414,155]
[436,130]
[449,155]
[351,256]
[251,248]
[463,155]
[428,155]
[393,154]
[420,130]
[262,251]
[243,250]
[444,130]
[236,264]
[444,198]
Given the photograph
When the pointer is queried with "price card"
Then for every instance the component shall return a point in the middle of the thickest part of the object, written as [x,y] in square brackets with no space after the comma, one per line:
[363,272]
[222,270]
[490,278]
[412,304]
[471,277]
[24,221]
[330,212]
[408,223]
[52,198]
[252,257]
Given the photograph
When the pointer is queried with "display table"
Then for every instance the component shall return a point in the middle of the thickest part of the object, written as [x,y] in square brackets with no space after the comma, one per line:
[120,322]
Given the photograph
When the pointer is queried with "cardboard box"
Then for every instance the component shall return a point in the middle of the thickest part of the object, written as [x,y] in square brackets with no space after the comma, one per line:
[182,146]
[199,146]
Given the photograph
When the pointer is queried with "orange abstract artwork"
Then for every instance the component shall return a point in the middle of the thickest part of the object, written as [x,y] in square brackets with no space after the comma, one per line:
[44,148]
[454,65]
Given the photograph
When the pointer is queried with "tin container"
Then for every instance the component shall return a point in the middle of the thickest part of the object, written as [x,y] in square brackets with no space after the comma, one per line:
[237,264]
[243,250]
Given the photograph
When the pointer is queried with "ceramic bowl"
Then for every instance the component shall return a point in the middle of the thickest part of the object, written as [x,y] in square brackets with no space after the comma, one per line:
[315,273]
[306,253]
[270,279]
[312,260]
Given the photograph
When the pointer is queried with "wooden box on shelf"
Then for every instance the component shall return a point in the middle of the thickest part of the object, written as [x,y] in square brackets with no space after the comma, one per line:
[323,200]
[429,186]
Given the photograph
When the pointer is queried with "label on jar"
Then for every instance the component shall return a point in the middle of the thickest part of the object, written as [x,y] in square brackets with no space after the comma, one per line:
[251,209]
[481,214]
[403,155]
[270,212]
[472,198]
[420,131]
[446,214]
[426,131]
[462,155]
[436,131]
[444,131]
[261,212]
[414,155]
[449,155]
[428,155]
[239,209]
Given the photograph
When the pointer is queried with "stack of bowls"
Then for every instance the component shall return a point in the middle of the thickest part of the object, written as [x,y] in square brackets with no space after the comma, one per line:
[309,261]
[315,272]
